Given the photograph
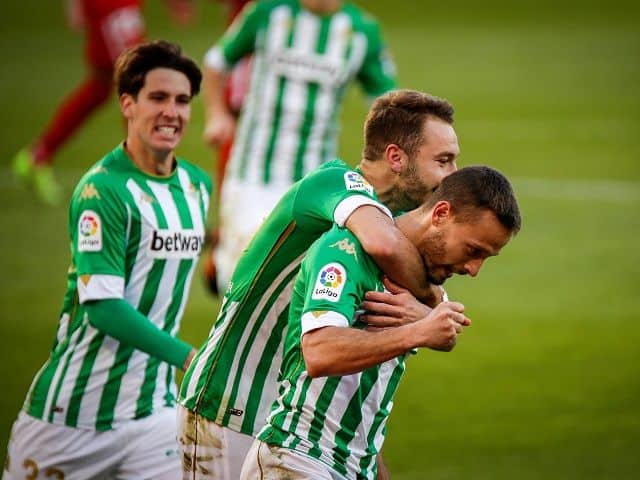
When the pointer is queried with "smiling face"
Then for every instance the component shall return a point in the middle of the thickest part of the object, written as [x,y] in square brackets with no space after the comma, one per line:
[158,115]
[460,245]
[424,171]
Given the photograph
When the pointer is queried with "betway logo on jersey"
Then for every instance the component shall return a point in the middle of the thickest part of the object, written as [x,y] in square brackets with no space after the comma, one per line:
[175,244]
[330,282]
[307,67]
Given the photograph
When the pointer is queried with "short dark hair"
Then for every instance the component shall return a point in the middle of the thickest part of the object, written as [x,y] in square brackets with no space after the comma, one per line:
[133,65]
[398,117]
[479,187]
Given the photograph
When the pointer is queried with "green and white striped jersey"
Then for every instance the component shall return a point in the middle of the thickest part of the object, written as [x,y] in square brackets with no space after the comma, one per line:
[233,378]
[133,236]
[303,63]
[339,420]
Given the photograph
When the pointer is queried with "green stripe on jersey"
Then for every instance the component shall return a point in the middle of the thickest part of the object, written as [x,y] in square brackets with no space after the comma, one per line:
[224,383]
[338,420]
[303,63]
[138,232]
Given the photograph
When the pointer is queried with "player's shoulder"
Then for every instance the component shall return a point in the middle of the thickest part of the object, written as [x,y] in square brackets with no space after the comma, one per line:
[104,177]
[339,245]
[362,19]
[337,171]
[197,175]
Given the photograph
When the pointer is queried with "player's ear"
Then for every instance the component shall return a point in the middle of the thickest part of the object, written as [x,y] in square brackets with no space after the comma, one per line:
[126,105]
[441,213]
[395,157]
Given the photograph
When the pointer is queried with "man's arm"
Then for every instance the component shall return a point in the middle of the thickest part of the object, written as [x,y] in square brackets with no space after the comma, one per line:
[330,350]
[220,123]
[118,319]
[392,252]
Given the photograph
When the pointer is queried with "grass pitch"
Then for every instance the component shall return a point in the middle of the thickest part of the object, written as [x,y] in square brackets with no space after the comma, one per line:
[545,382]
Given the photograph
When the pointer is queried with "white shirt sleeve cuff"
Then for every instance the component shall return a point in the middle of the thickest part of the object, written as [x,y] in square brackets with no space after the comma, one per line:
[347,206]
[214,59]
[99,287]
[313,320]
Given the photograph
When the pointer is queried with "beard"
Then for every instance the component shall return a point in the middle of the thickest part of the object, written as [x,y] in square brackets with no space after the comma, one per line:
[435,247]
[410,192]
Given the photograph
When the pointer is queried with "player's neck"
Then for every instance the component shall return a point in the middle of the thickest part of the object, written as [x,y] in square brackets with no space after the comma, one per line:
[380,176]
[150,161]
[322,7]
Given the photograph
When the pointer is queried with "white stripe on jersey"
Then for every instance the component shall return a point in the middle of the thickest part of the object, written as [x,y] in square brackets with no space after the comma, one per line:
[143,263]
[347,387]
[338,39]
[269,391]
[214,337]
[374,399]
[267,325]
[294,102]
[92,393]
[277,37]
[56,376]
[240,146]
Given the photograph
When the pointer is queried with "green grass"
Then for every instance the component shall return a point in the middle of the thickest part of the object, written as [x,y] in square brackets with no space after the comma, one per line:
[545,382]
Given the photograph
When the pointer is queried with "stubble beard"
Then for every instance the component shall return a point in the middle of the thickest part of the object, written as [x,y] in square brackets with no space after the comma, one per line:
[434,245]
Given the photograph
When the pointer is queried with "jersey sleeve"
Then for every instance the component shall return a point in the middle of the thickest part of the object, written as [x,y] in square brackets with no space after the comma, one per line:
[378,72]
[331,195]
[98,223]
[238,41]
[337,275]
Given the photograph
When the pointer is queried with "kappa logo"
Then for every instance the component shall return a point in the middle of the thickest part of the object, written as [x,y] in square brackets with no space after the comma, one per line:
[330,282]
[346,246]
[89,232]
[89,191]
[175,243]
[355,181]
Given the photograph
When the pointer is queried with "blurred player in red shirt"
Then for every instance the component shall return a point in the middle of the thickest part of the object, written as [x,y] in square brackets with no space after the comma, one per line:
[110,27]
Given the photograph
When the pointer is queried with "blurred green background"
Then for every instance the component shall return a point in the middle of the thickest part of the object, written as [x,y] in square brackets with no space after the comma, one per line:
[546,382]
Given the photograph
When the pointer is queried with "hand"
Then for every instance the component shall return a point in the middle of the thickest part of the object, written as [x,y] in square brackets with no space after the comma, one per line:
[392,308]
[434,295]
[219,129]
[440,329]
[187,361]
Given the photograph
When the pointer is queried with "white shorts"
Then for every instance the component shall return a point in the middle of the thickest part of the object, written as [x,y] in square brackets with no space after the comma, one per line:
[139,449]
[269,462]
[209,451]
[243,208]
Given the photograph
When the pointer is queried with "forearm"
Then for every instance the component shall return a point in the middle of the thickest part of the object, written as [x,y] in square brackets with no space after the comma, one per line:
[213,85]
[331,351]
[118,319]
[392,251]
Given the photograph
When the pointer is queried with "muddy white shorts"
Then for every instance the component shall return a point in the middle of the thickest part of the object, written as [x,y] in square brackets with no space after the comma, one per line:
[269,462]
[209,451]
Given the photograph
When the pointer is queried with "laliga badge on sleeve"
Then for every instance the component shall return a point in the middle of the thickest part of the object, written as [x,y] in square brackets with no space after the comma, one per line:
[89,232]
[330,282]
[355,181]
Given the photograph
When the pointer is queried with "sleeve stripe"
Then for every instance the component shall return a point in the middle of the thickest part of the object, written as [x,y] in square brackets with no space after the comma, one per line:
[347,206]
[311,321]
[100,287]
